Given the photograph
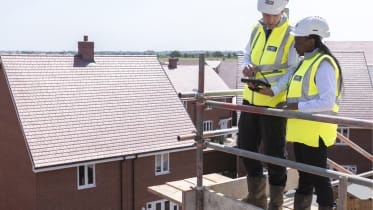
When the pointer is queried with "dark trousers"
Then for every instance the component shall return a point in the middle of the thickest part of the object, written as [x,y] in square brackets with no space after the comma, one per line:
[315,156]
[256,130]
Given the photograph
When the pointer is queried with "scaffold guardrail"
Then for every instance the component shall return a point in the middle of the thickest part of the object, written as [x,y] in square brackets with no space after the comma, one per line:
[202,101]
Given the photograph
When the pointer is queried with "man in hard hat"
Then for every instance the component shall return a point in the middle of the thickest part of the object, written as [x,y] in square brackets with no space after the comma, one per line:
[270,57]
[320,74]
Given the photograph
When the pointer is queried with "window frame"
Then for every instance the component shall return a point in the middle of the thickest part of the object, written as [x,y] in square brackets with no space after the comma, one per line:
[152,205]
[352,168]
[162,161]
[342,131]
[86,178]
[208,124]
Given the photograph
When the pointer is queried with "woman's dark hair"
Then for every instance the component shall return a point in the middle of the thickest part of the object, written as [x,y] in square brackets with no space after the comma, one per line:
[319,44]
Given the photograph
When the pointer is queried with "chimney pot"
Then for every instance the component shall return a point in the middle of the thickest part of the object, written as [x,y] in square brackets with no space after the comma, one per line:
[85,38]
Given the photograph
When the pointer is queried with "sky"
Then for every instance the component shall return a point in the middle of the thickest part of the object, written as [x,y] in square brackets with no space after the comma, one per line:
[158,25]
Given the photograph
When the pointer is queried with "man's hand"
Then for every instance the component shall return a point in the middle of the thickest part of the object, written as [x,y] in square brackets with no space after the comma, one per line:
[249,70]
[266,91]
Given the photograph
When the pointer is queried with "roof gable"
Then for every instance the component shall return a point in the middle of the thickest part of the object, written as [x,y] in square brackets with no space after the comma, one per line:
[121,105]
[227,71]
[185,79]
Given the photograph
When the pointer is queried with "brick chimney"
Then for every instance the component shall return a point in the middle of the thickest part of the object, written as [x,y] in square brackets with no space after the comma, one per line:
[172,63]
[86,50]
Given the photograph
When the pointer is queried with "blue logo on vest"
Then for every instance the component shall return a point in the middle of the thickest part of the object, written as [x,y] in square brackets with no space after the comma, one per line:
[297,78]
[272,48]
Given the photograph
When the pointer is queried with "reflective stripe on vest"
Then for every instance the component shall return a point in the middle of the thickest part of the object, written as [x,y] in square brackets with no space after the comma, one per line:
[302,87]
[271,57]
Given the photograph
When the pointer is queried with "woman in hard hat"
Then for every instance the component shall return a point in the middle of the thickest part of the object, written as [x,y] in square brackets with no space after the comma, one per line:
[269,57]
[315,87]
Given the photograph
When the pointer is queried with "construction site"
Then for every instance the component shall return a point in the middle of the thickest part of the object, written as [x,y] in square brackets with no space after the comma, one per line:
[77,132]
[155,109]
[218,192]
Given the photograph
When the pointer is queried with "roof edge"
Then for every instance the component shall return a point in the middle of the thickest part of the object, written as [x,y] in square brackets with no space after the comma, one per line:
[171,150]
[11,95]
[70,165]
[70,54]
[125,157]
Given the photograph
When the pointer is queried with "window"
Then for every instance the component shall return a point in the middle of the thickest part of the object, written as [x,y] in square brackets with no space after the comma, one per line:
[86,176]
[207,125]
[162,164]
[224,123]
[345,132]
[352,168]
[162,205]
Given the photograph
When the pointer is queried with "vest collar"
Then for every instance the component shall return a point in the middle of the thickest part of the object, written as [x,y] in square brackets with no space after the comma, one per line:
[283,19]
[308,55]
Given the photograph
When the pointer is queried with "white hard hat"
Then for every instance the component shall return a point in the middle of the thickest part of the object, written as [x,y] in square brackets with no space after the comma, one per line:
[312,25]
[272,7]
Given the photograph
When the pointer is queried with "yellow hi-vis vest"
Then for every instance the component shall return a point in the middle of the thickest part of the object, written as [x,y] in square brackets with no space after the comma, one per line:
[302,87]
[271,57]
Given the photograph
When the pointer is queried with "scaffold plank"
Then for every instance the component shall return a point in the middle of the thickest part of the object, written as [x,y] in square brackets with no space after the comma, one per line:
[217,178]
[206,182]
[181,185]
[174,190]
[167,192]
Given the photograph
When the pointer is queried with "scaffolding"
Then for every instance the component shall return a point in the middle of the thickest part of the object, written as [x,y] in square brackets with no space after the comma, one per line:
[202,101]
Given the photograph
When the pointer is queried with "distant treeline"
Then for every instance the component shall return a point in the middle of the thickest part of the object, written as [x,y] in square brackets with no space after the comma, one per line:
[161,54]
[195,54]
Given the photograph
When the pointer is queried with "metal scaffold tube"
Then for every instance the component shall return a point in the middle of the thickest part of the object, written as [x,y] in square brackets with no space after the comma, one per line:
[292,114]
[232,92]
[342,193]
[203,100]
[199,136]
[342,178]
[288,163]
[208,134]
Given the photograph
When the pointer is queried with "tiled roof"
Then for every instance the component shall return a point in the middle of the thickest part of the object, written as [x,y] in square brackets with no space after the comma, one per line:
[370,69]
[239,75]
[185,78]
[228,71]
[122,105]
[357,99]
[239,84]
[184,62]
[213,63]
[356,46]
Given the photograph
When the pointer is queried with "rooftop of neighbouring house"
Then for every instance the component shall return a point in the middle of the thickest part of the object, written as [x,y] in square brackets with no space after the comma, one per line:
[185,78]
[348,46]
[74,108]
